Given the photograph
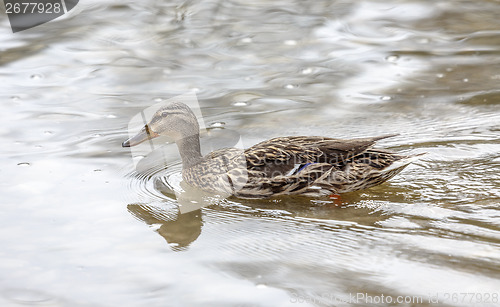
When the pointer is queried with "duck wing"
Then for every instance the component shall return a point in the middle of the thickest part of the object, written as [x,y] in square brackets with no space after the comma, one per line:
[288,155]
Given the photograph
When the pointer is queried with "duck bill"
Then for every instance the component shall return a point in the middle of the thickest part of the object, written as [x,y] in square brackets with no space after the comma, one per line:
[143,135]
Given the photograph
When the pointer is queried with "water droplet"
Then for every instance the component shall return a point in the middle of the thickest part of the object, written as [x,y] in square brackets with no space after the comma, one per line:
[240,103]
[195,89]
[423,40]
[217,125]
[290,42]
[246,40]
[96,135]
[111,116]
[138,158]
[385,98]
[449,69]
[261,286]
[36,76]
[307,71]
[157,99]
[189,43]
[24,164]
[440,75]
[392,58]
[291,86]
[466,80]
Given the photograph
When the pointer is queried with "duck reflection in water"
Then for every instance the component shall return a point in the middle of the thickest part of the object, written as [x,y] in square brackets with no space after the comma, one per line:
[306,166]
[179,230]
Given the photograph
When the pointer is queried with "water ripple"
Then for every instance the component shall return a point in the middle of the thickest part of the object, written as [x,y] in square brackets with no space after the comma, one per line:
[155,182]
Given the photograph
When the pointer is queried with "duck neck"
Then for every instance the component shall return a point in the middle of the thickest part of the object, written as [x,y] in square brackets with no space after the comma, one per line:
[189,149]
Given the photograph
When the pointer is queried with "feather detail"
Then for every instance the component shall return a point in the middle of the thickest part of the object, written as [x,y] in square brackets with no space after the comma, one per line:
[299,165]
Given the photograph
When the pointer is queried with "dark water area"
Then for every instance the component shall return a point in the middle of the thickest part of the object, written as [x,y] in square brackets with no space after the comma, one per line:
[83,226]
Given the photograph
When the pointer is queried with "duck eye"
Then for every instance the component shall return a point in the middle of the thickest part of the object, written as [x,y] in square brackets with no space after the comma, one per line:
[164,113]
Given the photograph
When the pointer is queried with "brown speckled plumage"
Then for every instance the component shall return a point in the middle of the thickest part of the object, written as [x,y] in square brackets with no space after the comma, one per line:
[306,165]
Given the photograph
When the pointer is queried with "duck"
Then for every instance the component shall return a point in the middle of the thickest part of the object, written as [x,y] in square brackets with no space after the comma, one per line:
[312,166]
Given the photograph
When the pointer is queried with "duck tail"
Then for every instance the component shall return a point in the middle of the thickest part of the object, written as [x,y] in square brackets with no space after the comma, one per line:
[385,136]
[403,162]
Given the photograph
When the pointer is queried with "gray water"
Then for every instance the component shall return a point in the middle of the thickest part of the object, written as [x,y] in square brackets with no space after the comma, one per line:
[82,227]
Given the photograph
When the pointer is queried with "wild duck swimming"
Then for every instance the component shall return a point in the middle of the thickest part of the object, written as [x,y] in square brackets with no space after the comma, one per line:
[295,165]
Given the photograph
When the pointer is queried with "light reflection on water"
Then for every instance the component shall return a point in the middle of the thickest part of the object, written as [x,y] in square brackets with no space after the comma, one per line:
[80,224]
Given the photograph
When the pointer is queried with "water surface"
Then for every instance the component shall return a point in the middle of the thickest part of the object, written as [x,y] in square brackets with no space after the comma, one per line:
[82,227]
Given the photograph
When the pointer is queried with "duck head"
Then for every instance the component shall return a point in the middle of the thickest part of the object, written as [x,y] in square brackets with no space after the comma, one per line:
[175,120]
